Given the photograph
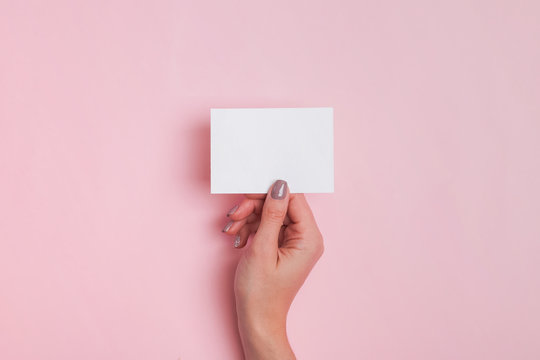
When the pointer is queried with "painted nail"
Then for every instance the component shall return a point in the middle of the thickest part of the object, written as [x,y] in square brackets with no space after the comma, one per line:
[237,241]
[228,226]
[233,210]
[279,191]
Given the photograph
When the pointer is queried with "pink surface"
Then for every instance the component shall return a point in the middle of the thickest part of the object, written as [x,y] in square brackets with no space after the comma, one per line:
[110,243]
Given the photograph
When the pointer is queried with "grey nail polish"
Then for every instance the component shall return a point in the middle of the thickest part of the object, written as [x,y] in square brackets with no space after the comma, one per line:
[228,226]
[233,210]
[279,190]
[237,241]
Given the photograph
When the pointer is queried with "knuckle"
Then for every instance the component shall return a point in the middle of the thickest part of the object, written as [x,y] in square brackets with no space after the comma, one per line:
[274,214]
[319,246]
[321,250]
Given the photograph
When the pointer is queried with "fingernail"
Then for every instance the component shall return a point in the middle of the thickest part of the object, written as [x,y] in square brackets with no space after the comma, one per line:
[228,226]
[233,210]
[279,191]
[237,241]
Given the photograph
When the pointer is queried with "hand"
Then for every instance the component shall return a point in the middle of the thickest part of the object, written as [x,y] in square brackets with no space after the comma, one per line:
[286,245]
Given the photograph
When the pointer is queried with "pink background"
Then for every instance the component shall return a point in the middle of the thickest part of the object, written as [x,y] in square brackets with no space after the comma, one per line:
[110,241]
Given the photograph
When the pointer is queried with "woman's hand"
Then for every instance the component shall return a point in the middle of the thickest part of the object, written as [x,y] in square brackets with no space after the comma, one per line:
[286,245]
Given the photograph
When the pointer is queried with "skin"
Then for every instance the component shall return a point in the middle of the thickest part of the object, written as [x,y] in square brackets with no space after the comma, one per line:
[275,262]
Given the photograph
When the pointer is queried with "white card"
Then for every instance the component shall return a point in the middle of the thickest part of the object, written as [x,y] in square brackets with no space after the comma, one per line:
[251,148]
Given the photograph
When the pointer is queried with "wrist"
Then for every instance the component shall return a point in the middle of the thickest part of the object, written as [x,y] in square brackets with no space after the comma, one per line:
[264,338]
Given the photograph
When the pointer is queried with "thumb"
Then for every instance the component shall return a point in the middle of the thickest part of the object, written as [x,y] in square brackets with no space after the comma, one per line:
[273,213]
